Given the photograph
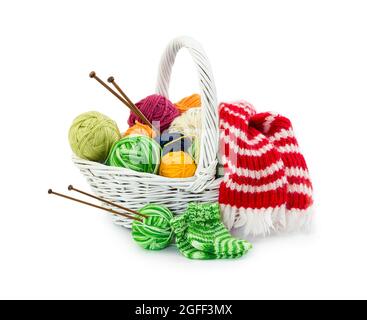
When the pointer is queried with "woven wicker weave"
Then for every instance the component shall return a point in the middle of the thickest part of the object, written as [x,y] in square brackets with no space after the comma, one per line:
[135,189]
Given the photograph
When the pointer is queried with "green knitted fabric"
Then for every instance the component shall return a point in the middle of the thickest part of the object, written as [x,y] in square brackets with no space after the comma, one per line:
[179,226]
[200,234]
[206,232]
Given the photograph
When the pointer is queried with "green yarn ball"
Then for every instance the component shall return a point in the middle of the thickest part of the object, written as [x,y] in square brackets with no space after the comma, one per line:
[92,135]
[138,153]
[154,232]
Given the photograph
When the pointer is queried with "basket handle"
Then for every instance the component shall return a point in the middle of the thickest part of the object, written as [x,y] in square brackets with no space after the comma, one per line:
[206,169]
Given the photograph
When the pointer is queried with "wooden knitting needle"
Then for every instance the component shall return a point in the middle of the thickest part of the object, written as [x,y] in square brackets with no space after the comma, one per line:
[134,109]
[50,191]
[71,188]
[132,104]
[117,87]
[93,75]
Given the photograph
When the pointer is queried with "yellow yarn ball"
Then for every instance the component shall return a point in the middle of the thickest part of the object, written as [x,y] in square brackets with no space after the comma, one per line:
[177,164]
[193,101]
[141,130]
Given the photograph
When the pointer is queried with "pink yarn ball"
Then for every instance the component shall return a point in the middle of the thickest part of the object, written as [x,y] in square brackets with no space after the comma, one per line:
[157,109]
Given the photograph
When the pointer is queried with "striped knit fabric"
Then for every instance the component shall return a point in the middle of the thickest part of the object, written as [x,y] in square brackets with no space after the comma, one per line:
[255,195]
[279,131]
[179,226]
[206,232]
[201,235]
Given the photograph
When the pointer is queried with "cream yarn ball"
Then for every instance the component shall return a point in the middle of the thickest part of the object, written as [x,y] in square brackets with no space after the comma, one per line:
[189,124]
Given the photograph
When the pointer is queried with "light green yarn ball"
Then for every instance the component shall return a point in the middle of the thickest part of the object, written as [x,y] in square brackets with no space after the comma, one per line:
[138,153]
[92,135]
[154,232]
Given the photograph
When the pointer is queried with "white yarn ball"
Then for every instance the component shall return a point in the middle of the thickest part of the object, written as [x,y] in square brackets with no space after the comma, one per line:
[189,124]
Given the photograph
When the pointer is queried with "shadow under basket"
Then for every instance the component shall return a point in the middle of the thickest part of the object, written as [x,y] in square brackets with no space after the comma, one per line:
[134,189]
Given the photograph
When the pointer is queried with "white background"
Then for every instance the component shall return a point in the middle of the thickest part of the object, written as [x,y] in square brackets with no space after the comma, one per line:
[305,59]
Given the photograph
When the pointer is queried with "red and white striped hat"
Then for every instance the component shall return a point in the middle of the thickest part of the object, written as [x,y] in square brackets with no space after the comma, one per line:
[259,192]
[279,131]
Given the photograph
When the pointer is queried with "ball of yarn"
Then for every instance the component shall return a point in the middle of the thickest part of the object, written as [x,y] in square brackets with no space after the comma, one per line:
[177,164]
[157,109]
[189,124]
[193,101]
[173,141]
[138,153]
[92,135]
[141,130]
[154,232]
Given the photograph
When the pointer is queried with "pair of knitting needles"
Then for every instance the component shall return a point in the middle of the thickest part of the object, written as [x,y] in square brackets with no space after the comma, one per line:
[71,188]
[122,97]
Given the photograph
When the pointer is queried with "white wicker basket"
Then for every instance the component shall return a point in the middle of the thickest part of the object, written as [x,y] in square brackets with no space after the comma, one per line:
[135,189]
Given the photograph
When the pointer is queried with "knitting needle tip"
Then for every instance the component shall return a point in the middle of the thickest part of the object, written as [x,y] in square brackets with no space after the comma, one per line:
[92,74]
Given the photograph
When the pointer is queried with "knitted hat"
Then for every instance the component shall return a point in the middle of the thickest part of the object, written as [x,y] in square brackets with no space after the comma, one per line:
[279,131]
[254,190]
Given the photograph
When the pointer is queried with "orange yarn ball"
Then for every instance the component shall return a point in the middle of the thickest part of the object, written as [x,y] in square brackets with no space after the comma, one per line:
[193,101]
[141,130]
[177,164]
